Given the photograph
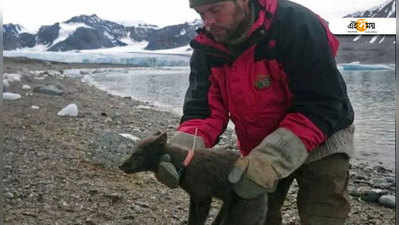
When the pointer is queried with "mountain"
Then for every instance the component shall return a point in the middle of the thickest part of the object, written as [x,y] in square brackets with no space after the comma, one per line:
[385,10]
[369,48]
[15,37]
[91,32]
[47,34]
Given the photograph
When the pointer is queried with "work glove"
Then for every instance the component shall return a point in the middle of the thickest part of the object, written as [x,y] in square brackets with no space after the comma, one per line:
[276,157]
[167,173]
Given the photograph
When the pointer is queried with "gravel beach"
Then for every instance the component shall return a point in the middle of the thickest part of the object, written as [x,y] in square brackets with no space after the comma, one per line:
[63,169]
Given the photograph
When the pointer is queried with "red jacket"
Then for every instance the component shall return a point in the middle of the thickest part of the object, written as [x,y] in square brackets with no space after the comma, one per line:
[284,75]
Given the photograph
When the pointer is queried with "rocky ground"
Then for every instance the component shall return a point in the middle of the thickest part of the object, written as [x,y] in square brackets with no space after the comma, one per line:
[62,170]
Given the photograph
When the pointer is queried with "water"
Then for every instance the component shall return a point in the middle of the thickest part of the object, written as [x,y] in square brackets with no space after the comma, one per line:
[371,93]
[373,98]
[164,88]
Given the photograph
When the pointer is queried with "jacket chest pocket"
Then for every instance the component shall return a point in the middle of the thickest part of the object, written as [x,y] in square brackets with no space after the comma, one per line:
[265,86]
[267,94]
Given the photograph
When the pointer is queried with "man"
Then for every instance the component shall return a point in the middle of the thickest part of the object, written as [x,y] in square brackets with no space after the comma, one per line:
[268,65]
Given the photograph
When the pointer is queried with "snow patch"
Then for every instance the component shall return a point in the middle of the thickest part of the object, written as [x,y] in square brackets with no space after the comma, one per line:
[382,39]
[373,39]
[356,38]
[35,107]
[66,29]
[197,22]
[108,35]
[183,32]
[136,23]
[393,9]
[23,29]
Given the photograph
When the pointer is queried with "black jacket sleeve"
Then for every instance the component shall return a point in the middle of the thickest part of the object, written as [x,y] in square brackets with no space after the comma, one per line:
[196,101]
[318,87]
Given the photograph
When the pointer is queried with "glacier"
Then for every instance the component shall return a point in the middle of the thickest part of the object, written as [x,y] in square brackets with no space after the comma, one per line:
[127,58]
[134,56]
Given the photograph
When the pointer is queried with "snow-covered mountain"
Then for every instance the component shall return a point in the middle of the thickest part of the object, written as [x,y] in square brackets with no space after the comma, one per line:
[176,36]
[91,32]
[369,48]
[385,10]
[15,36]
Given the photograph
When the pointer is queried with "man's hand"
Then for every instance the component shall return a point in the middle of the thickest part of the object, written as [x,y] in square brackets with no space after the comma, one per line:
[167,172]
[276,157]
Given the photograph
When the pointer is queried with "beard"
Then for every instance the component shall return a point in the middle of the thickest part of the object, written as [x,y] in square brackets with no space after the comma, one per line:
[235,31]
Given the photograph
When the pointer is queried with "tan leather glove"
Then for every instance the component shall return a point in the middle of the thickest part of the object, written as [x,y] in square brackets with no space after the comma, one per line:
[185,140]
[167,172]
[276,157]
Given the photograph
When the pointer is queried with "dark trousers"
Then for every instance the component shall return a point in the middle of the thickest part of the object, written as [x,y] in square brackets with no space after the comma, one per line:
[322,197]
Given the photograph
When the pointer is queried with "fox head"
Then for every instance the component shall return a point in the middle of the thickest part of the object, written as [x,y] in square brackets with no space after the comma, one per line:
[146,155]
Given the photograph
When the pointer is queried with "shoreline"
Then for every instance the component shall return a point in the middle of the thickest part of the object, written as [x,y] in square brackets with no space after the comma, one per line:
[62,169]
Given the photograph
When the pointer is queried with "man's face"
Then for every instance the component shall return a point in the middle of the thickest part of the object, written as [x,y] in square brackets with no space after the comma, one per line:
[222,19]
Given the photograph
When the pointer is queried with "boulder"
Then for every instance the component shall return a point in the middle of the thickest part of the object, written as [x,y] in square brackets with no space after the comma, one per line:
[387,201]
[69,110]
[50,89]
[11,96]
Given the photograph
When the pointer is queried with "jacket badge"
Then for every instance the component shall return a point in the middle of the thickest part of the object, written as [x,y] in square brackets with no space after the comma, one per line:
[262,81]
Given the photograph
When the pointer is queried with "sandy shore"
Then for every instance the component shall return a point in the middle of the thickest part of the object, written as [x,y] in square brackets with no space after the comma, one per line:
[61,170]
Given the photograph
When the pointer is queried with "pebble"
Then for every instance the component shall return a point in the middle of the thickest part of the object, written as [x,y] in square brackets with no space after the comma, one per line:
[388,201]
[90,220]
[380,183]
[50,89]
[142,204]
[12,77]
[64,204]
[114,196]
[391,180]
[9,195]
[381,169]
[26,87]
[6,84]
[372,195]
[11,96]
[131,137]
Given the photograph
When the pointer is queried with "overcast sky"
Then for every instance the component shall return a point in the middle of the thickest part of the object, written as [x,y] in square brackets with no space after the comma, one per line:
[34,13]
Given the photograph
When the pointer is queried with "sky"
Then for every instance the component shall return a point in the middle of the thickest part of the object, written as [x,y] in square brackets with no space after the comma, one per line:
[33,14]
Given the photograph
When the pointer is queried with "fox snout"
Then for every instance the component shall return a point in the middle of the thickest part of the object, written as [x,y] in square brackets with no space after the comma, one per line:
[124,167]
[132,165]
